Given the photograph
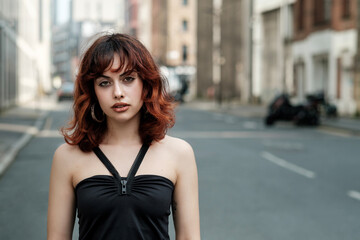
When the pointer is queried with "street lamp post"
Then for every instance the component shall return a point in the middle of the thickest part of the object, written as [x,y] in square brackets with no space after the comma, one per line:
[216,57]
[357,62]
[251,30]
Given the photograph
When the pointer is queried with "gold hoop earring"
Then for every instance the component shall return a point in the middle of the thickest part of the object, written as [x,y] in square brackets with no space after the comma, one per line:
[93,116]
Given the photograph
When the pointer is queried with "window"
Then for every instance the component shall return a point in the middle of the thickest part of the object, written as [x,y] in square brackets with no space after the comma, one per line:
[322,11]
[346,9]
[184,53]
[185,25]
[318,12]
[301,15]
[184,2]
[328,10]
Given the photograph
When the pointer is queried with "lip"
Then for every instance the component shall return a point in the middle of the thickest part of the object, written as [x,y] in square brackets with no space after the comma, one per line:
[120,107]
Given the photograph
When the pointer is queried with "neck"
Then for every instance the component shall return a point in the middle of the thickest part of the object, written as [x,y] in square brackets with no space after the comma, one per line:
[122,133]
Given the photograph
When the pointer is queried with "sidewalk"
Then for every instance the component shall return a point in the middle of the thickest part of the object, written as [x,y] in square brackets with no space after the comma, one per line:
[18,125]
[350,126]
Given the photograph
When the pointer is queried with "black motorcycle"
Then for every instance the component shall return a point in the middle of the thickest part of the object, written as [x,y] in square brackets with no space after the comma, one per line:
[307,114]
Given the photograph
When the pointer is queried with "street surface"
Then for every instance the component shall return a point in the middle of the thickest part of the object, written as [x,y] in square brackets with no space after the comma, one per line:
[256,183]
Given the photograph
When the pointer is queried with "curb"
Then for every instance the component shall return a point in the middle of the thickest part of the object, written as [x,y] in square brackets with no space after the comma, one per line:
[11,154]
[340,130]
[238,111]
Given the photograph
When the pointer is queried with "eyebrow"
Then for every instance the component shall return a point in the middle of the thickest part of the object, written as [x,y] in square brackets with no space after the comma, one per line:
[104,76]
[122,75]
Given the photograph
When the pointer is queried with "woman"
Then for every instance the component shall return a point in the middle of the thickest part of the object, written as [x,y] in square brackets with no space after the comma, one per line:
[118,167]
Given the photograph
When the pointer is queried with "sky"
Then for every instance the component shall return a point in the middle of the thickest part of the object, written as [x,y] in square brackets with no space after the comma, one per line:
[62,11]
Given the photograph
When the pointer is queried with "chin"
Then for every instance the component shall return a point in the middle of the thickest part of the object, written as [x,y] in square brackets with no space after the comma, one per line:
[124,117]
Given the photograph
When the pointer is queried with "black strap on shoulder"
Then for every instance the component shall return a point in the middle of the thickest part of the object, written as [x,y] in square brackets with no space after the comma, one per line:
[107,163]
[140,156]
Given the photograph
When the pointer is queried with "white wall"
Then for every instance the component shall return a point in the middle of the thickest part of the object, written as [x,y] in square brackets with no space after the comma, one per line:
[33,49]
[111,11]
[284,62]
[334,45]
[267,5]
[44,49]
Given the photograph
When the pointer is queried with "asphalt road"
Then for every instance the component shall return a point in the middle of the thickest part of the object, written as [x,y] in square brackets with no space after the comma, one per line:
[255,183]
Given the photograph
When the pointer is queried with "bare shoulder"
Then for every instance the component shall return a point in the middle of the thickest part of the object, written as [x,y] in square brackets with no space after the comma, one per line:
[181,150]
[177,145]
[65,150]
[64,155]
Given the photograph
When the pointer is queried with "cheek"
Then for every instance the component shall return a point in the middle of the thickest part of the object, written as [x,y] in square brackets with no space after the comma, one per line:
[137,90]
[101,96]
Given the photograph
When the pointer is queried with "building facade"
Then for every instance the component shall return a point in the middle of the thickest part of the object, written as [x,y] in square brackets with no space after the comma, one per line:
[159,31]
[323,50]
[63,42]
[304,47]
[204,74]
[87,18]
[145,23]
[223,29]
[92,17]
[181,29]
[24,50]
[168,30]
[272,49]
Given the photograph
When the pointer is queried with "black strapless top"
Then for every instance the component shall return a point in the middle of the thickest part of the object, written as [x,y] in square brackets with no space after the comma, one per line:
[113,207]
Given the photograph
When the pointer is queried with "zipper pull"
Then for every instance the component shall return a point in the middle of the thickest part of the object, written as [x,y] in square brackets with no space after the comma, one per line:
[123,186]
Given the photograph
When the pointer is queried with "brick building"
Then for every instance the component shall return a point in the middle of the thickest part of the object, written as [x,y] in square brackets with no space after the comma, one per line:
[323,50]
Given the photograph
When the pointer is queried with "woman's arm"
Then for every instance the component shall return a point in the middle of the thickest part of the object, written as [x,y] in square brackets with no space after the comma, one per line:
[185,207]
[61,208]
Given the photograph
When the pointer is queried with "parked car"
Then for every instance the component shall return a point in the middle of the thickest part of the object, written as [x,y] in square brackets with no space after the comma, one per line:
[66,91]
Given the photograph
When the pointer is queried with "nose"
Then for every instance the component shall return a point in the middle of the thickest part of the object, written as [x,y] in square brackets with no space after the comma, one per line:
[118,91]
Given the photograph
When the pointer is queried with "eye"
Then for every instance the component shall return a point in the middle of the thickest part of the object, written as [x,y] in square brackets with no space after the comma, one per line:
[104,83]
[129,79]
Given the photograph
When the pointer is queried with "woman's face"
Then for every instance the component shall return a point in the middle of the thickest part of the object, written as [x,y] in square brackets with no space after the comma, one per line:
[119,94]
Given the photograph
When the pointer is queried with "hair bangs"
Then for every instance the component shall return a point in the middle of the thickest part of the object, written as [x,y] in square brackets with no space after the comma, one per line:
[103,58]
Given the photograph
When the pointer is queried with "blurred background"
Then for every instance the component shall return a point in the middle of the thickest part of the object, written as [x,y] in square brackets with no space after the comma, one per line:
[268,92]
[231,50]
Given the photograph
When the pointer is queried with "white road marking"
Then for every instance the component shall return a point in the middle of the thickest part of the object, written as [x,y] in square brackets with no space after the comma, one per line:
[16,127]
[284,145]
[290,166]
[48,123]
[354,194]
[49,134]
[337,133]
[14,149]
[29,132]
[227,134]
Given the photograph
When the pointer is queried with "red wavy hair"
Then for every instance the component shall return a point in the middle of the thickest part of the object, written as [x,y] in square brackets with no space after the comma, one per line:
[157,112]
